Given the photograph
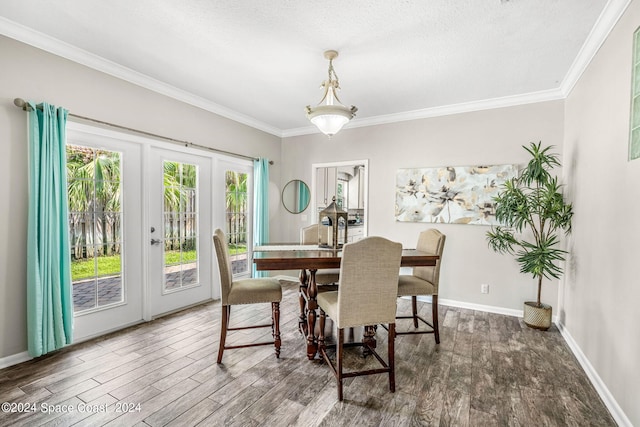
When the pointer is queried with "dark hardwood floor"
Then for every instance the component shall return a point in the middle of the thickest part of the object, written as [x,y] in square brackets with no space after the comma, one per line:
[489,370]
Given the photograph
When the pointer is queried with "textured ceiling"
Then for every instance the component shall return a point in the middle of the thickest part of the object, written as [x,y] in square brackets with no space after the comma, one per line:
[261,61]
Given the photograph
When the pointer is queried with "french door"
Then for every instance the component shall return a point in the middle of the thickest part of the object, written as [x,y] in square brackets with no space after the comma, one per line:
[141,217]
[105,225]
[179,230]
[238,208]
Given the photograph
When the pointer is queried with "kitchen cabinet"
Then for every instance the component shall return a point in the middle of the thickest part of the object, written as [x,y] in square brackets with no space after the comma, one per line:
[352,177]
[346,182]
[355,233]
[356,189]
[326,183]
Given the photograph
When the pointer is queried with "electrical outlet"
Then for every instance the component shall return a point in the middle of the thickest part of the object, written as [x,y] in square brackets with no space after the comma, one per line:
[484,288]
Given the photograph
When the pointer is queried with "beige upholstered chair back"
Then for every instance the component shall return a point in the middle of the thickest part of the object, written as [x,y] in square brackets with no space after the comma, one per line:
[368,282]
[226,274]
[309,235]
[431,241]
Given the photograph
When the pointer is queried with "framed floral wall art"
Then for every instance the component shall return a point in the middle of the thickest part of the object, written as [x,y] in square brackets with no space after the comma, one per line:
[450,194]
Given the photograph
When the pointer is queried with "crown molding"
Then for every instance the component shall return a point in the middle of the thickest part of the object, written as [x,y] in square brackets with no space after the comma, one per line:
[57,47]
[445,110]
[611,14]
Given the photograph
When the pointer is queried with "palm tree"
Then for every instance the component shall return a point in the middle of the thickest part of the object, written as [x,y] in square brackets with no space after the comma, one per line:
[93,189]
[180,181]
[107,174]
[188,179]
[236,201]
[172,197]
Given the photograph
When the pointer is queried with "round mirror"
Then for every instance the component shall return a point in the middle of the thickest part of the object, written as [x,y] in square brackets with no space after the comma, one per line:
[296,196]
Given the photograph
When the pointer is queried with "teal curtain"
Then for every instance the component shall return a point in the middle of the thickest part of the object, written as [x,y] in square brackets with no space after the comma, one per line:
[260,206]
[49,299]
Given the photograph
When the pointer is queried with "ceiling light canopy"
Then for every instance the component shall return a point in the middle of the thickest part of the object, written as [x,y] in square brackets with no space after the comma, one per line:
[330,115]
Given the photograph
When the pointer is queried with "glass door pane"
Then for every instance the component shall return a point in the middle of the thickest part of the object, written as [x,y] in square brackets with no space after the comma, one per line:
[180,225]
[104,190]
[95,218]
[237,217]
[179,233]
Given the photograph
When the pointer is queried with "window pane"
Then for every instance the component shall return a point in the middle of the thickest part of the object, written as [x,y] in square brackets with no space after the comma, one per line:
[180,225]
[95,218]
[236,226]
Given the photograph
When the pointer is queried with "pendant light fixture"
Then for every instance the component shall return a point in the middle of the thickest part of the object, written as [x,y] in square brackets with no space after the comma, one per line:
[330,115]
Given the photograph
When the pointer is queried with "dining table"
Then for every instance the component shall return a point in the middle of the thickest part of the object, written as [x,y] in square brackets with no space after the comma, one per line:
[308,259]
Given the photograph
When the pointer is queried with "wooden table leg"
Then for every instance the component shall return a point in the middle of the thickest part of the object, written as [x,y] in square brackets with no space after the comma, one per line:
[302,321]
[312,305]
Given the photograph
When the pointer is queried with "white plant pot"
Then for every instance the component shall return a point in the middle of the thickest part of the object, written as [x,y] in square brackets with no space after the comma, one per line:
[537,317]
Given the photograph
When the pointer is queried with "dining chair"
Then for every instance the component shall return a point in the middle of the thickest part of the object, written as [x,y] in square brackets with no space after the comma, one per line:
[366,296]
[245,291]
[424,281]
[325,277]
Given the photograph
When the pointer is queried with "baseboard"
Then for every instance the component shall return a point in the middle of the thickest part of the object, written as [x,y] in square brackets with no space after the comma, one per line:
[610,402]
[14,359]
[480,307]
[454,303]
[473,306]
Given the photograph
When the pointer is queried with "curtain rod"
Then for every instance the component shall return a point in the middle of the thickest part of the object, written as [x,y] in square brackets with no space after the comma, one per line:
[21,103]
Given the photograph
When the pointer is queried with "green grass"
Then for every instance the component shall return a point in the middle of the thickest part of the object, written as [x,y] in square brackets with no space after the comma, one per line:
[110,265]
[237,249]
[107,265]
[173,257]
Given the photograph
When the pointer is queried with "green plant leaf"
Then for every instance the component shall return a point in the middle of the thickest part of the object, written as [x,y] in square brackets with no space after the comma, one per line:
[533,201]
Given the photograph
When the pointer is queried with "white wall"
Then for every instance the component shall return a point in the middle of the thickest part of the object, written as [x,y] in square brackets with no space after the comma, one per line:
[600,293]
[478,138]
[32,74]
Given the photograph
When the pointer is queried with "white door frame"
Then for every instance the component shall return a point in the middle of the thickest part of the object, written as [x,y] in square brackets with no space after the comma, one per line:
[106,319]
[162,303]
[222,164]
[365,162]
[218,162]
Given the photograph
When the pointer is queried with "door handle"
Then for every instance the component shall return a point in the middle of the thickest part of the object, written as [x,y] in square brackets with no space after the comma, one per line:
[156,241]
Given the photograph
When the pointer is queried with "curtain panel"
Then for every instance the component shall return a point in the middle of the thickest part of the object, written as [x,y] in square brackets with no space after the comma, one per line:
[49,296]
[261,206]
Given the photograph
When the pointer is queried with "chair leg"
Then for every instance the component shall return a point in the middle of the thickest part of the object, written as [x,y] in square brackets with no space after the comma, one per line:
[275,318]
[414,309]
[434,312]
[391,357]
[223,330]
[339,354]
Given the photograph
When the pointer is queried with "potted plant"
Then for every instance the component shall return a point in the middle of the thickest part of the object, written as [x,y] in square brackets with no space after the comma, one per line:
[532,211]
